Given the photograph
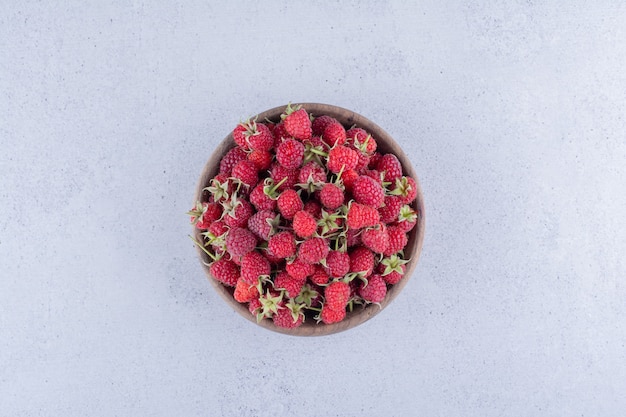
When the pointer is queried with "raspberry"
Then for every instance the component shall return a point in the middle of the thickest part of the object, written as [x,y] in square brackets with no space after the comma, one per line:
[361,140]
[319,276]
[361,261]
[353,237]
[262,159]
[336,295]
[240,241]
[334,133]
[392,269]
[253,266]
[407,219]
[313,208]
[313,250]
[367,191]
[237,212]
[263,223]
[246,172]
[231,159]
[297,122]
[245,292]
[282,245]
[375,290]
[225,271]
[348,177]
[331,196]
[280,134]
[290,284]
[329,316]
[376,239]
[314,171]
[363,162]
[342,157]
[390,165]
[289,316]
[390,210]
[279,172]
[397,240]
[254,306]
[290,153]
[304,225]
[299,269]
[406,189]
[289,203]
[260,200]
[204,214]
[320,123]
[360,216]
[338,264]
[262,139]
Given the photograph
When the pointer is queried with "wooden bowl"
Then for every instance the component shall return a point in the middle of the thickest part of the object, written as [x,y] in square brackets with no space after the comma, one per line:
[386,144]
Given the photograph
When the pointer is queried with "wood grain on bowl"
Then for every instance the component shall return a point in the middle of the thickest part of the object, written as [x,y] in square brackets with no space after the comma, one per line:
[386,144]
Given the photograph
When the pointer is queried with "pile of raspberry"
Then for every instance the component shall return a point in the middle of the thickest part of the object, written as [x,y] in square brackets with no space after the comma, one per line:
[305,219]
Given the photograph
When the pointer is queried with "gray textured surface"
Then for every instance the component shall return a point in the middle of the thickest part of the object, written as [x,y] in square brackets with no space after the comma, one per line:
[512,112]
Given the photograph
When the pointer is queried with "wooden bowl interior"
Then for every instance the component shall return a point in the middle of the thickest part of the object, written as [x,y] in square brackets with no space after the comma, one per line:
[386,144]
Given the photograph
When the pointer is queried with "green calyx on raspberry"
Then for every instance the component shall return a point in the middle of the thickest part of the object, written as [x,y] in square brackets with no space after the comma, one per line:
[362,145]
[230,206]
[290,110]
[402,187]
[269,304]
[310,186]
[314,153]
[393,264]
[307,295]
[214,240]
[328,222]
[296,309]
[219,190]
[214,257]
[407,214]
[197,212]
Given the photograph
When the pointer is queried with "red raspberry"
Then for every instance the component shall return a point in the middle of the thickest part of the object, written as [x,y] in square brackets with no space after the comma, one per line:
[336,295]
[299,269]
[390,166]
[263,223]
[353,237]
[320,123]
[374,160]
[375,290]
[392,276]
[319,276]
[390,211]
[297,123]
[364,160]
[304,225]
[282,245]
[360,216]
[376,239]
[284,317]
[245,292]
[290,153]
[331,196]
[311,173]
[407,219]
[329,316]
[262,139]
[342,157]
[254,306]
[231,159]
[406,189]
[397,240]
[367,191]
[313,250]
[278,172]
[253,265]
[246,172]
[237,212]
[361,261]
[334,133]
[260,200]
[289,203]
[348,177]
[338,264]
[361,140]
[313,208]
[262,159]
[290,284]
[240,241]
[375,175]
[204,214]
[225,271]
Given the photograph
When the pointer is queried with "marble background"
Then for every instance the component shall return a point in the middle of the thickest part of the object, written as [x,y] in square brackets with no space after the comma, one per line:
[513,113]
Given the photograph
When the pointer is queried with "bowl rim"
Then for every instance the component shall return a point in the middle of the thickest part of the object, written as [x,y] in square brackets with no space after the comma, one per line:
[386,143]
